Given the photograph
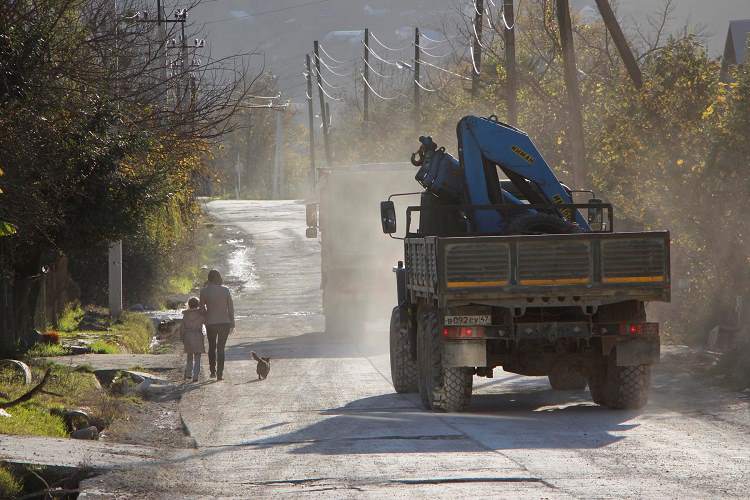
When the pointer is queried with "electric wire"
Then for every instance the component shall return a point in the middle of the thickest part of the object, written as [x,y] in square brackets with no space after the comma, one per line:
[505,22]
[432,39]
[322,78]
[378,57]
[474,3]
[429,54]
[264,96]
[473,60]
[328,67]
[329,56]
[476,36]
[423,87]
[426,63]
[327,94]
[376,93]
[374,70]
[385,46]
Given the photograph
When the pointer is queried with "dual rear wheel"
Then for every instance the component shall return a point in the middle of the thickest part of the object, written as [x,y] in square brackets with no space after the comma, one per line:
[440,388]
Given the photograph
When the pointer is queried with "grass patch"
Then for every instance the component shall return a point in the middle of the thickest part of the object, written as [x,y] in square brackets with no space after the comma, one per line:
[10,486]
[46,350]
[181,284]
[104,347]
[134,332]
[71,317]
[66,388]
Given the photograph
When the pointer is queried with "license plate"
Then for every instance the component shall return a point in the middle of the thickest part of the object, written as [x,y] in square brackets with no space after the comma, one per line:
[481,320]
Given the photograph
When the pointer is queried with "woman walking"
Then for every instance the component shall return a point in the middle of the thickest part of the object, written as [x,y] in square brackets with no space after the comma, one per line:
[217,302]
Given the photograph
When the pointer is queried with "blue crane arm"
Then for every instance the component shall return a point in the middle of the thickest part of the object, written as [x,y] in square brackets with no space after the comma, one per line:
[483,145]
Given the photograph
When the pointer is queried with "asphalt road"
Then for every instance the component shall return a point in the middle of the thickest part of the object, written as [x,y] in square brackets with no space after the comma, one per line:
[327,423]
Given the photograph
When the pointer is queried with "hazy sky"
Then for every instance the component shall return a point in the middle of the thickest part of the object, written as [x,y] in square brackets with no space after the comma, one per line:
[285,29]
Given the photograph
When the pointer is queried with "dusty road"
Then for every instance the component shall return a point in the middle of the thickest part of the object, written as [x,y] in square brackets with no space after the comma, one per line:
[327,423]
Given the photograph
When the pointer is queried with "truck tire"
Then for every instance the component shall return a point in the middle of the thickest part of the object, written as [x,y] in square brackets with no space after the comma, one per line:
[540,224]
[564,378]
[627,387]
[597,378]
[403,369]
[441,389]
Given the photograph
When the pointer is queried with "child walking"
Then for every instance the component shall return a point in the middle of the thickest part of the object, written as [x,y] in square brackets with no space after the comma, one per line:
[192,337]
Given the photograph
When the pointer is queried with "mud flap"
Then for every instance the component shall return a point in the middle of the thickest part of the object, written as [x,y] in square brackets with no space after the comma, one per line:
[638,352]
[471,353]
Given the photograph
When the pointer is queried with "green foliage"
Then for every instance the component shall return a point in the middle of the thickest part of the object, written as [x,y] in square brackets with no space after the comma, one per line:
[42,350]
[104,347]
[134,332]
[71,317]
[10,486]
[66,387]
[84,166]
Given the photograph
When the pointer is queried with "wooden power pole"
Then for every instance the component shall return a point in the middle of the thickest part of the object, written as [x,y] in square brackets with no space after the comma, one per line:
[417,103]
[311,121]
[575,118]
[476,52]
[365,87]
[622,44]
[323,108]
[510,60]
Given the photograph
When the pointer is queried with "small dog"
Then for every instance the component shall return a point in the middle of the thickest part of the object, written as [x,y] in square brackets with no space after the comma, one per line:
[264,365]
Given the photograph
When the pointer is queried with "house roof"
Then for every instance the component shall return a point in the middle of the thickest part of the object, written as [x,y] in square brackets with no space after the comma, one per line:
[736,47]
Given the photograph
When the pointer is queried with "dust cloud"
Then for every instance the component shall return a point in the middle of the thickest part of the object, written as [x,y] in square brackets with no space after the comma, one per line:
[359,286]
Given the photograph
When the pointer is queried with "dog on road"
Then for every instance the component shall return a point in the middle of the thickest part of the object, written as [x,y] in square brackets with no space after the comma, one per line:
[264,366]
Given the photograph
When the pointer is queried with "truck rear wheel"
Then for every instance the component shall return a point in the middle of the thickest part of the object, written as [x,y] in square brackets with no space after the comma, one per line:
[404,372]
[620,387]
[627,386]
[564,378]
[440,388]
[597,379]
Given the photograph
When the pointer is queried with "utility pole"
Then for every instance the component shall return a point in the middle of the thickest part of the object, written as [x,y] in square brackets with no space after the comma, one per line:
[610,20]
[575,122]
[311,124]
[366,89]
[162,34]
[510,61]
[115,279]
[477,47]
[278,174]
[417,103]
[323,109]
[238,170]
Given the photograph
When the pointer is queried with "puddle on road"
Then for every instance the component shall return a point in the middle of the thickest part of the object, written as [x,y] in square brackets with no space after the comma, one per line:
[241,270]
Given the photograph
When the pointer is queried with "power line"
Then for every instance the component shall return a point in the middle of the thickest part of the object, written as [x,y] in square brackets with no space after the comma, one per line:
[376,93]
[374,71]
[425,52]
[444,70]
[328,67]
[327,94]
[322,49]
[380,58]
[385,46]
[317,73]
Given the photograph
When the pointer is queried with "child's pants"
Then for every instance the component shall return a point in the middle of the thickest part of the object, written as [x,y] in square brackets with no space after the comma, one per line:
[193,365]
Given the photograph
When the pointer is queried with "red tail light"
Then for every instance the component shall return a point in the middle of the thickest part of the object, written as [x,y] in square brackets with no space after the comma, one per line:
[463,332]
[638,329]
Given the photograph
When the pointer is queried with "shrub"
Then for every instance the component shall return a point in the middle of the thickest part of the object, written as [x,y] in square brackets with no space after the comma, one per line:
[10,486]
[71,317]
